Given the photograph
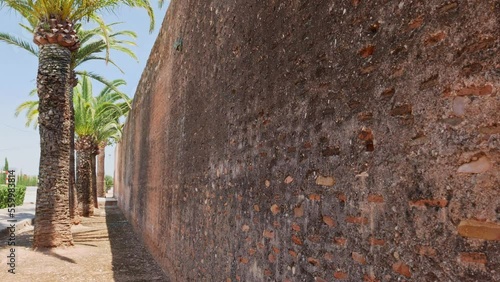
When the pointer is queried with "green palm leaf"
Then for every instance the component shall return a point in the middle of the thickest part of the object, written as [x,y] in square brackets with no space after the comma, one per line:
[9,39]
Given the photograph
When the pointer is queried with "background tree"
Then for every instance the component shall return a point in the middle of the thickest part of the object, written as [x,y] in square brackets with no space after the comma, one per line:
[56,24]
[97,119]
[3,175]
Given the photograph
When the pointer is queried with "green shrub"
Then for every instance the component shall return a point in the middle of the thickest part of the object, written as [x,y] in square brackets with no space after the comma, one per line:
[108,182]
[4,195]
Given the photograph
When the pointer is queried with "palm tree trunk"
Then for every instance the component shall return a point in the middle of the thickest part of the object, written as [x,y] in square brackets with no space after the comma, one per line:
[52,220]
[85,148]
[73,199]
[101,189]
[94,179]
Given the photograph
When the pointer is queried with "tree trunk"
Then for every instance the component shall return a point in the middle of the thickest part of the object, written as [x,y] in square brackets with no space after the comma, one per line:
[94,179]
[73,200]
[86,150]
[101,187]
[52,220]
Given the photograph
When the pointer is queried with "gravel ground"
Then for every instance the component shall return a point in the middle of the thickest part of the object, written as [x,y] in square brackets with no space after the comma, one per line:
[106,249]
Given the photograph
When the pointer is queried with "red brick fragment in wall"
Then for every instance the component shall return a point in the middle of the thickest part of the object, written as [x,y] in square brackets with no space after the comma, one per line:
[367,51]
[375,198]
[295,227]
[479,258]
[426,251]
[342,197]
[328,221]
[434,38]
[359,258]
[389,92]
[268,234]
[480,230]
[475,90]
[298,211]
[339,241]
[484,42]
[368,69]
[370,278]
[357,220]
[447,7]
[275,209]
[376,242]
[490,129]
[313,261]
[315,238]
[429,203]
[366,134]
[328,256]
[296,240]
[416,23]
[340,275]
[315,197]
[402,269]
[401,110]
[365,116]
[272,258]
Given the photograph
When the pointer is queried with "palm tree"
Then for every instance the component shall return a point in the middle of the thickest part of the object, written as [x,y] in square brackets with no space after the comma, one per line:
[93,43]
[91,49]
[96,121]
[57,22]
[90,126]
[109,137]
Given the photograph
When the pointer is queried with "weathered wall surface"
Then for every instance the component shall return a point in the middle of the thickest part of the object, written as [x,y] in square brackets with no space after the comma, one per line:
[328,140]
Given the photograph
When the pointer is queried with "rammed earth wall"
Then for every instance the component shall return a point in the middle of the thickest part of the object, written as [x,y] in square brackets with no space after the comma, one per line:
[327,140]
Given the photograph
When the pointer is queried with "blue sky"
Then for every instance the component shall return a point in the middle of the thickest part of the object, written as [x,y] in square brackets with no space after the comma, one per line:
[21,145]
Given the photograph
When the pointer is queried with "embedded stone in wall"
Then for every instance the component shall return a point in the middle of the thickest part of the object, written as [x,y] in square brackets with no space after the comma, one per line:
[325,181]
[481,165]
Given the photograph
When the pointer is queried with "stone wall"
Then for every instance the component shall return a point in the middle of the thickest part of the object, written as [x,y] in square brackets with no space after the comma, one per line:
[318,141]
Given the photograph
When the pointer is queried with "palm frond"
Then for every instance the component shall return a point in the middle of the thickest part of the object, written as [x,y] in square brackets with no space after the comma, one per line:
[31,109]
[96,58]
[98,117]
[12,40]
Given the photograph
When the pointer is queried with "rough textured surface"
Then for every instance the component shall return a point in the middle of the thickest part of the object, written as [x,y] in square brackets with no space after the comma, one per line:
[303,140]
[52,221]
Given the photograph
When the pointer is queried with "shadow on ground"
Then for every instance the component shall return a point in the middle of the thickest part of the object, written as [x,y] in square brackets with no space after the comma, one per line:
[106,249]
[130,257]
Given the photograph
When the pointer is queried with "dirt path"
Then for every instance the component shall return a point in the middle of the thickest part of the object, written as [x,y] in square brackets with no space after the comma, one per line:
[105,249]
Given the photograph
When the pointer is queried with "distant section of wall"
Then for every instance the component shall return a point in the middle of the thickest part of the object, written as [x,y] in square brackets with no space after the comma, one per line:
[319,141]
